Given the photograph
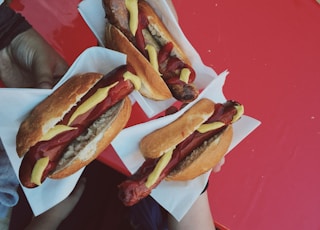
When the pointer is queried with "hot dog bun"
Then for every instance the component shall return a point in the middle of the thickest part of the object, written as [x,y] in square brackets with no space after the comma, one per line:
[76,158]
[152,51]
[51,110]
[153,86]
[184,149]
[161,140]
[204,158]
[201,159]
[73,125]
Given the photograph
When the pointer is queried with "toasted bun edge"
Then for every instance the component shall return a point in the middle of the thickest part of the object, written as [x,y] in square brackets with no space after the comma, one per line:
[153,86]
[52,109]
[161,140]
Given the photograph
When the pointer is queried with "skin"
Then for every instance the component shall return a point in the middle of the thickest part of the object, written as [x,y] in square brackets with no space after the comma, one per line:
[192,220]
[30,62]
[53,217]
[198,217]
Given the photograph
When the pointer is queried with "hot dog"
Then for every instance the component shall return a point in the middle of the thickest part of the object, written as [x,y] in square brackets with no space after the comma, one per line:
[136,30]
[186,148]
[74,124]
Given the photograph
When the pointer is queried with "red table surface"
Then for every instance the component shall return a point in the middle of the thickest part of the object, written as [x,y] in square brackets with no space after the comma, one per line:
[272,50]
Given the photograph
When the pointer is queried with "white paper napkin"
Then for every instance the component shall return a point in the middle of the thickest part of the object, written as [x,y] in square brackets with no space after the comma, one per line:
[180,192]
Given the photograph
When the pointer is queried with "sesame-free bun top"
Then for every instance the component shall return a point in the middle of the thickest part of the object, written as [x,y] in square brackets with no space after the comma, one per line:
[153,86]
[163,139]
[51,110]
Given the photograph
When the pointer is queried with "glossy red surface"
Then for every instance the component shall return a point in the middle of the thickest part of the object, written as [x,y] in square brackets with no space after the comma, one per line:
[272,50]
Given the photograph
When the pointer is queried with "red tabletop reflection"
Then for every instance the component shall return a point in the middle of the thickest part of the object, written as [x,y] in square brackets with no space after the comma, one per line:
[272,50]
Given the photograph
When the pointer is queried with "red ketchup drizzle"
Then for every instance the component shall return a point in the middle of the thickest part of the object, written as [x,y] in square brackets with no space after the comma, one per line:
[140,42]
[173,66]
[54,148]
[164,52]
[133,189]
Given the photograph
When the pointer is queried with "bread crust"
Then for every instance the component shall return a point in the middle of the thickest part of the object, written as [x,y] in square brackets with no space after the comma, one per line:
[194,166]
[51,110]
[153,86]
[98,144]
[161,140]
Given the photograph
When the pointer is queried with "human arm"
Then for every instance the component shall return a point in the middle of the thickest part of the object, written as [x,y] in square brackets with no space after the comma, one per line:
[52,218]
[198,217]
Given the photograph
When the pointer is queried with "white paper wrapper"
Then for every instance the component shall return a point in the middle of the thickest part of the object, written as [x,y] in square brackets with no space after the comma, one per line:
[180,192]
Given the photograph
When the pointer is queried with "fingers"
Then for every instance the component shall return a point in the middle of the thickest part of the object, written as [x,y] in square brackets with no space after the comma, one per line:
[63,209]
[49,71]
[60,69]
[52,218]
[44,84]
[33,62]
[218,167]
[46,79]
[47,66]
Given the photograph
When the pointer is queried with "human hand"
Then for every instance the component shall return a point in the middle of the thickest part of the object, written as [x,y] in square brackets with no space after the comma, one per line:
[29,61]
[52,218]
[198,216]
[218,167]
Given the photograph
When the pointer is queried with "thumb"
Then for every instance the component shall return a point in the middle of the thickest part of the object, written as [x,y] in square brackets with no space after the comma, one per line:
[59,70]
[48,74]
[44,81]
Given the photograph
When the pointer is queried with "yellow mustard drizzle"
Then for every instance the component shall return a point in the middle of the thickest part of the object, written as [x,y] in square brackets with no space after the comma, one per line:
[55,131]
[153,56]
[162,163]
[240,112]
[185,74]
[92,101]
[132,7]
[218,124]
[38,169]
[210,126]
[133,78]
